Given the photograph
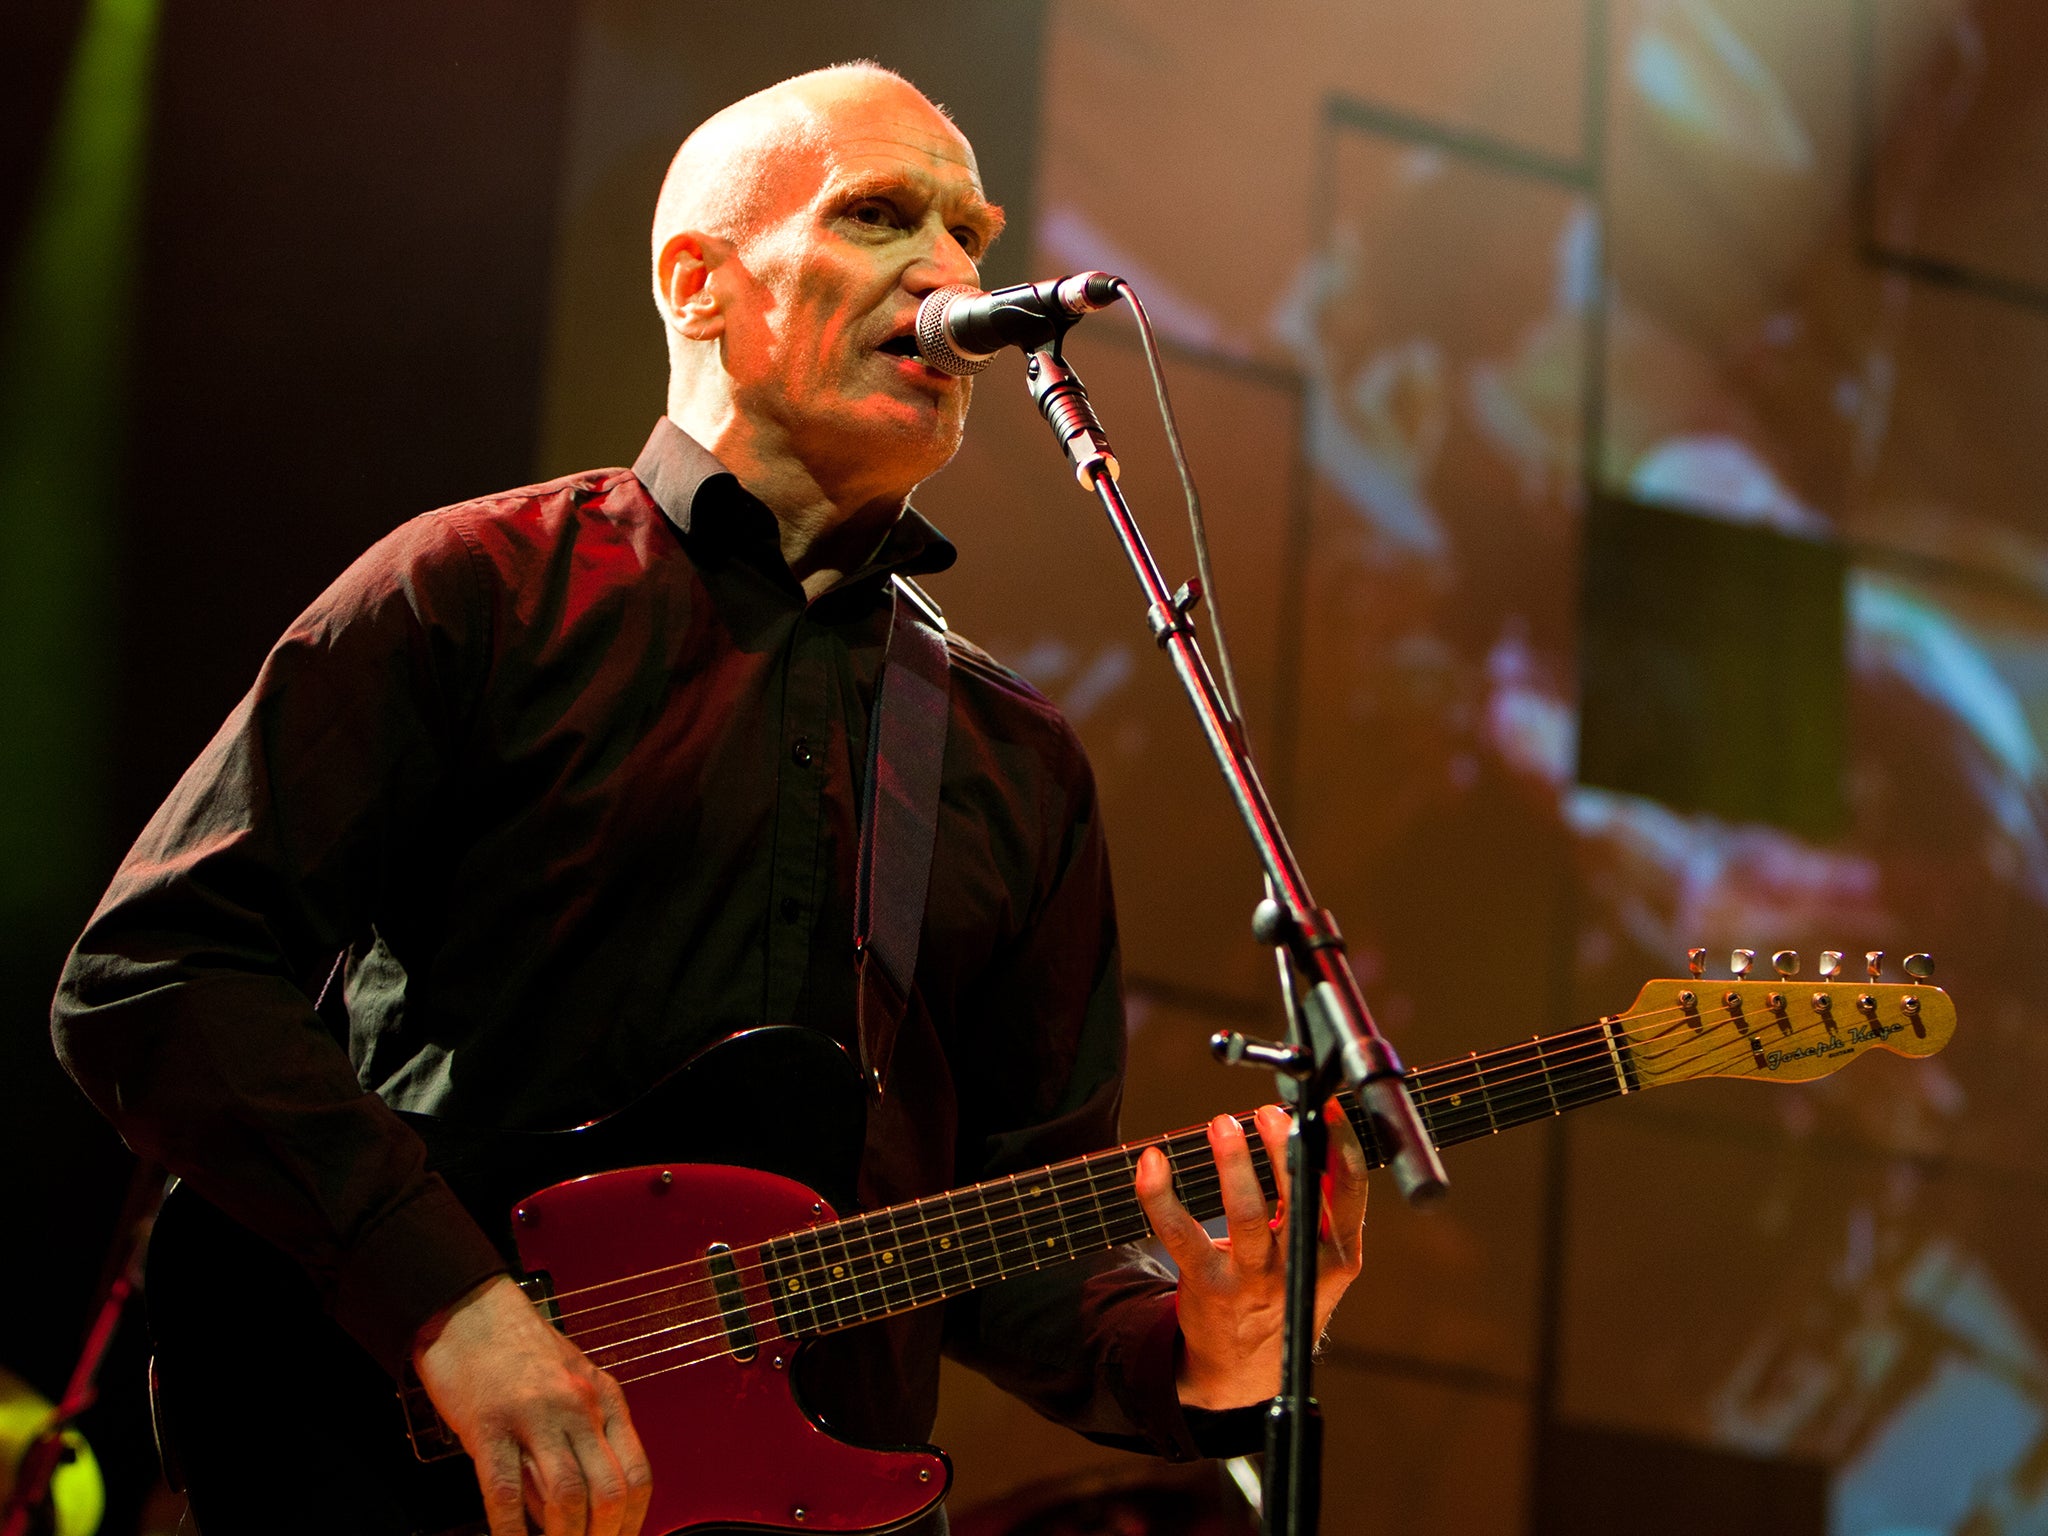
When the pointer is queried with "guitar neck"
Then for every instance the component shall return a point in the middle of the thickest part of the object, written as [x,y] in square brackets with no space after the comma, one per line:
[888,1261]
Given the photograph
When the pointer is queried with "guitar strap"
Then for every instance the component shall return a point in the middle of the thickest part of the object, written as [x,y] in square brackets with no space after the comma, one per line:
[899,822]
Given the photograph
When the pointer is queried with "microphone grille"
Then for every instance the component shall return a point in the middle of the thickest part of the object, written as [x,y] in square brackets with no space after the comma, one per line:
[932,343]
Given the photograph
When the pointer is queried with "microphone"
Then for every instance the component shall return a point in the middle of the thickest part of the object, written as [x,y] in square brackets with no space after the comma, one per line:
[961,329]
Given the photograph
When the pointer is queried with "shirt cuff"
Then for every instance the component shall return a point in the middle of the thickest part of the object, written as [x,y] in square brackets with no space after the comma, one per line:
[422,1257]
[1183,1433]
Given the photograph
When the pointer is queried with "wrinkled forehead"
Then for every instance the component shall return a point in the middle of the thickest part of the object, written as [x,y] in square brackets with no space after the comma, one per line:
[887,133]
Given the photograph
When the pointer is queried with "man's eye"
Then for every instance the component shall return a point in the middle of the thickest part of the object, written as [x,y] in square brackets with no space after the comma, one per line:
[969,240]
[873,213]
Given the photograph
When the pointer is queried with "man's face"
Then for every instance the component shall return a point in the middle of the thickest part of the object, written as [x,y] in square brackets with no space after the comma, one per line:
[820,312]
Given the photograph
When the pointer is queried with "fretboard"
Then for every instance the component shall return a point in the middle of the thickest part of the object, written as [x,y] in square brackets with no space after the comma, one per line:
[888,1261]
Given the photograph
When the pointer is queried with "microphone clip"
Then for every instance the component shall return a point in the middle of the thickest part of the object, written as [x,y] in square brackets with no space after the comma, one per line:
[1063,403]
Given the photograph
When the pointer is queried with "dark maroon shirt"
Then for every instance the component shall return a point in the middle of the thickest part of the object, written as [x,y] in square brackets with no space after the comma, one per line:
[569,776]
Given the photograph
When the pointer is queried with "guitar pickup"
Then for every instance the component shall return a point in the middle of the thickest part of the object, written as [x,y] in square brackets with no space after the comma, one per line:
[732,1303]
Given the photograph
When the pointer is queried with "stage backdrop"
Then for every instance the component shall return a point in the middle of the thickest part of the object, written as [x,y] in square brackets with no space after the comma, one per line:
[1617,424]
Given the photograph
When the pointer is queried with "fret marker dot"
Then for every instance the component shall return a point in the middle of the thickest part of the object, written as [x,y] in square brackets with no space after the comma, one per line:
[838,1270]
[945,1242]
[1048,1242]
[1457,1099]
[888,1257]
[796,1285]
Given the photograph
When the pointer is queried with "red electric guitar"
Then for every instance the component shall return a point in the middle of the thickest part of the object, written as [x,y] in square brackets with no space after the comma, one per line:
[697,1284]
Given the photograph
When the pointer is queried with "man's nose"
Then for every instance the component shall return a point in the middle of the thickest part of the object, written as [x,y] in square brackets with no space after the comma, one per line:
[944,264]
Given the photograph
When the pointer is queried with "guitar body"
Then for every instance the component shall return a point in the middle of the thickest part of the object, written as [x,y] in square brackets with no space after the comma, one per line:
[278,1422]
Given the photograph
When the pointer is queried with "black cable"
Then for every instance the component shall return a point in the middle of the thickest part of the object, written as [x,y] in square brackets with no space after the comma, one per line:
[1196,527]
[1290,994]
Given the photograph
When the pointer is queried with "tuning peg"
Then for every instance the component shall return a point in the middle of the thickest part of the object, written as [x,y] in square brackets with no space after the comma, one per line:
[1873,960]
[1830,964]
[1741,961]
[1787,962]
[1920,967]
[1696,962]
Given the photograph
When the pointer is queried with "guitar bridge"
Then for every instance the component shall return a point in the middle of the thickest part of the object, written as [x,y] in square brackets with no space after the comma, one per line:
[431,1439]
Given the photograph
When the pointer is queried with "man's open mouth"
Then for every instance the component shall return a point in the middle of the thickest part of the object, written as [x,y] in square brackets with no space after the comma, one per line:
[900,346]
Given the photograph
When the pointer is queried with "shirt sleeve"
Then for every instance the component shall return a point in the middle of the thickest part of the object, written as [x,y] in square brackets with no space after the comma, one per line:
[183,1012]
[1094,1345]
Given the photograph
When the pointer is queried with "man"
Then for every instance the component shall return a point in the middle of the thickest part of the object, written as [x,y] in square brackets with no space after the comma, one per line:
[569,774]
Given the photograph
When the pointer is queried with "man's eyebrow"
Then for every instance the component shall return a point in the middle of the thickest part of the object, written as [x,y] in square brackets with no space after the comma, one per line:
[985,217]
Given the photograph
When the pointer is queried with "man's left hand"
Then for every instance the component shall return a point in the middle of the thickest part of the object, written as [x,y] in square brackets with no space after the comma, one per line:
[1233,1290]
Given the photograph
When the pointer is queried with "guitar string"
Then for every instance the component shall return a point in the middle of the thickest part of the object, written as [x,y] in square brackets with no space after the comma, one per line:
[1002,1230]
[1557,1055]
[1106,1218]
[1198,1188]
[1505,1089]
[1110,1226]
[1553,1060]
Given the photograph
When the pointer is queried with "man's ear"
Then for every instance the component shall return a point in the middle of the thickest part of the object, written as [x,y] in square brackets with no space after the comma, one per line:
[682,281]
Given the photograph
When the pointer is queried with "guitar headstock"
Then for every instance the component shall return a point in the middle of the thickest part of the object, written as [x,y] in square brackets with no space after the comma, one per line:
[1782,1029]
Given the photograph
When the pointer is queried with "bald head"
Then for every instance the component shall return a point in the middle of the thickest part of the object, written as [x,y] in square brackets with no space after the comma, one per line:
[765,151]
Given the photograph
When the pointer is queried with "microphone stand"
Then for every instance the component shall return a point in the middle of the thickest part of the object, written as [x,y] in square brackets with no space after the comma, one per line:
[1331,1034]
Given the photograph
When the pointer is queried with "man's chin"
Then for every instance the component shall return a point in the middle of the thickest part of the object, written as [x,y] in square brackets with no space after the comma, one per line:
[919,429]
[894,441]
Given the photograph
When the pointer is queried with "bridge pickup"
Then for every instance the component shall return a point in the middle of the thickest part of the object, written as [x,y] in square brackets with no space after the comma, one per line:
[432,1440]
[540,1290]
[732,1305]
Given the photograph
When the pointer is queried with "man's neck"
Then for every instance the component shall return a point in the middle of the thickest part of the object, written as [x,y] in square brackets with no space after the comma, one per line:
[828,528]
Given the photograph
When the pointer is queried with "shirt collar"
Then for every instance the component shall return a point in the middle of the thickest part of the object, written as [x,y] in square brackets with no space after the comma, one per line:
[702,497]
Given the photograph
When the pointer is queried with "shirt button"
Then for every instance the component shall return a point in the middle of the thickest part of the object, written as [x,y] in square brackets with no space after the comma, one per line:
[791,911]
[800,751]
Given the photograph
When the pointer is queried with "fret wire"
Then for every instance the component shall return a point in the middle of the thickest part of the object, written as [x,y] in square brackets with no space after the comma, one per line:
[955,1244]
[987,1219]
[895,1265]
[942,1238]
[843,1270]
[869,1263]
[1032,1209]
[1485,1095]
[810,1247]
[855,1239]
[1041,1210]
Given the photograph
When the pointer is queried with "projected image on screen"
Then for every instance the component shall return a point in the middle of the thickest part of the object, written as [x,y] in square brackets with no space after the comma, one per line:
[1625,482]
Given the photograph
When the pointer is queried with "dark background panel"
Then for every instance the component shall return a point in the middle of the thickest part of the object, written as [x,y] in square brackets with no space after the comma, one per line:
[1713,673]
[347,243]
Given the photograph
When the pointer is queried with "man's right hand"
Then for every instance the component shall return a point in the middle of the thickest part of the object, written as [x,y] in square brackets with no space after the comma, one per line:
[548,1430]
